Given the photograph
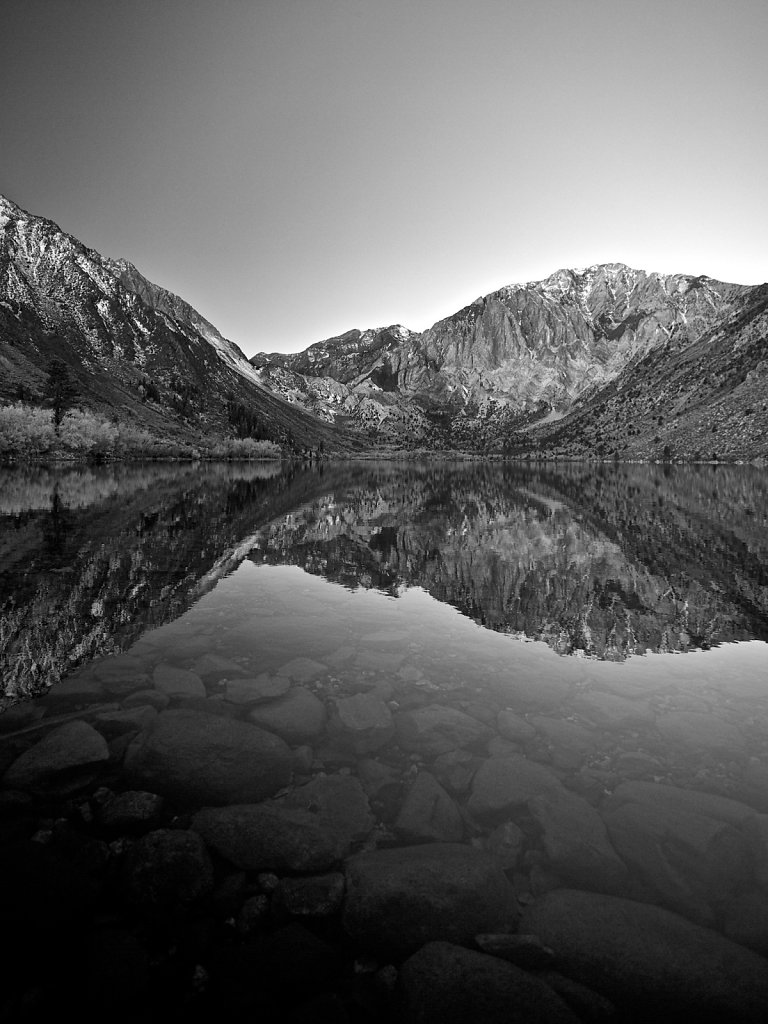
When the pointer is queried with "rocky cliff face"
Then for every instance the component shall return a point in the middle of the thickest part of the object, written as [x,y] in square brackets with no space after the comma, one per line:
[607,362]
[135,349]
[526,354]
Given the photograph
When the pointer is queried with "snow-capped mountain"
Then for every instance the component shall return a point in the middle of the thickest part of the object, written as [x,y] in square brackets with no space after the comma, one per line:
[135,349]
[527,354]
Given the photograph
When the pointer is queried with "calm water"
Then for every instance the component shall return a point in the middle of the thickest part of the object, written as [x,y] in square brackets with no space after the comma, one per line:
[608,624]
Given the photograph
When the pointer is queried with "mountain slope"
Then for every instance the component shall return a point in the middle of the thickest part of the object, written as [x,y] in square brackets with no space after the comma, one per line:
[136,350]
[533,353]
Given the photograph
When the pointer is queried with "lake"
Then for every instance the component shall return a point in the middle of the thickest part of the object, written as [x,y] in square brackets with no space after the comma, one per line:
[564,667]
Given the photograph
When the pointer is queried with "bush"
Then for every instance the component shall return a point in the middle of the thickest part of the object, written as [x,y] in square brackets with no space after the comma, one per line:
[27,433]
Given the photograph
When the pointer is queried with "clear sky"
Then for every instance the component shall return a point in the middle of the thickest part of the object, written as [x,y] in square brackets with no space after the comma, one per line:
[296,168]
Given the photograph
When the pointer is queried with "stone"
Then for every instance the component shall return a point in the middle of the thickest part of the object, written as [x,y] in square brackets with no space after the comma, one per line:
[193,757]
[687,847]
[568,744]
[611,711]
[338,803]
[253,914]
[67,758]
[254,690]
[262,837]
[506,843]
[455,770]
[576,843]
[649,961]
[362,721]
[212,667]
[514,727]
[302,670]
[428,814]
[435,729]
[177,682]
[398,899]
[129,812]
[121,674]
[128,720]
[703,732]
[310,829]
[167,869]
[444,983]
[142,698]
[505,784]
[311,896]
[298,717]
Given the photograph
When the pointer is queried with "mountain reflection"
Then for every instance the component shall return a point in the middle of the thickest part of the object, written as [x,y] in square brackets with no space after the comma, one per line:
[599,561]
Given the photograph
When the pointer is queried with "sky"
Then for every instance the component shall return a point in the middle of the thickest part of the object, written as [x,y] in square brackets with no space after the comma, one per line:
[298,168]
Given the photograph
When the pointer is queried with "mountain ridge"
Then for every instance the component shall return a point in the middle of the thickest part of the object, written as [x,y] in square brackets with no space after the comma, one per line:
[599,362]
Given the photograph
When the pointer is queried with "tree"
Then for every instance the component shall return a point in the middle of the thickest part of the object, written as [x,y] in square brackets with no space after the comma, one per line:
[60,389]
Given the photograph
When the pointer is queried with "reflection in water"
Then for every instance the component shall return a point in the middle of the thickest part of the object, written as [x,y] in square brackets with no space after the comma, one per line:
[603,561]
[304,663]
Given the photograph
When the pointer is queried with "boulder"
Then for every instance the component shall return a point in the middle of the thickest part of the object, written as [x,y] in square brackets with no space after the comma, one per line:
[444,983]
[311,896]
[193,757]
[363,722]
[298,717]
[687,847]
[312,828]
[702,732]
[68,757]
[177,682]
[302,670]
[121,674]
[576,842]
[611,711]
[428,814]
[398,899]
[129,812]
[435,729]
[505,784]
[255,689]
[266,837]
[650,961]
[513,727]
[568,744]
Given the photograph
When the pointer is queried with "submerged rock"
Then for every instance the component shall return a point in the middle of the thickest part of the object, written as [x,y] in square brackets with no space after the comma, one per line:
[362,722]
[310,829]
[687,847]
[298,717]
[398,899]
[648,960]
[446,984]
[198,758]
[435,729]
[428,814]
[70,756]
[177,682]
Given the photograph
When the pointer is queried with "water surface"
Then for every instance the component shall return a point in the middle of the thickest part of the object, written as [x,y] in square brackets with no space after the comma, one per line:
[607,624]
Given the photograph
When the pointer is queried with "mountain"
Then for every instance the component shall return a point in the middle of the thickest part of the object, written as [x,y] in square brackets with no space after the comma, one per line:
[606,362]
[135,350]
[561,366]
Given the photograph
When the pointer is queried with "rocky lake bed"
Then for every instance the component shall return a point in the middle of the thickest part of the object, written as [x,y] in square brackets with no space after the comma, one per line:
[353,838]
